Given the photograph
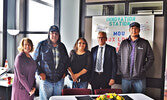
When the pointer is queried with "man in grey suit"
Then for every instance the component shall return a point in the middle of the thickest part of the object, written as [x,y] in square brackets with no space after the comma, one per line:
[104,63]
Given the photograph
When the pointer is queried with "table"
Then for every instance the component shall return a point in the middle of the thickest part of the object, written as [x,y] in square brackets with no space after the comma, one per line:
[5,88]
[134,96]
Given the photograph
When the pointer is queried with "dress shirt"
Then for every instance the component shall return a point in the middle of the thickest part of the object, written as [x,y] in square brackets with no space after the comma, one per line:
[99,48]
[132,55]
[55,56]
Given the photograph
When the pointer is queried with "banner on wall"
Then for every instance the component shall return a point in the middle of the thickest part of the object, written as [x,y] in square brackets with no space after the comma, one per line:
[117,28]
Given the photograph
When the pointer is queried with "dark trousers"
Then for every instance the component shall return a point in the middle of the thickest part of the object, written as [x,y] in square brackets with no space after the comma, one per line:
[99,82]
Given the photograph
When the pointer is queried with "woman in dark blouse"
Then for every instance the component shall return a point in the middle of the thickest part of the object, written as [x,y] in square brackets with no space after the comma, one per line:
[81,63]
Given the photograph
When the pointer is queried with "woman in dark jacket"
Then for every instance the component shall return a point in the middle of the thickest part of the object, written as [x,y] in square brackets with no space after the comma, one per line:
[81,63]
[24,76]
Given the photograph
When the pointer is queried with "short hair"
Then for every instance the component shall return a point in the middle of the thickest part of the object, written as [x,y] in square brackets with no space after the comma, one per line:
[81,38]
[21,49]
[104,33]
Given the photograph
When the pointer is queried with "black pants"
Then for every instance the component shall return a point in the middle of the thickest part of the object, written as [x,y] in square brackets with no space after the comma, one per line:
[100,82]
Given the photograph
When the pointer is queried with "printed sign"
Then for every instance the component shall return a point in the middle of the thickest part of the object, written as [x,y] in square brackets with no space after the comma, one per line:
[117,28]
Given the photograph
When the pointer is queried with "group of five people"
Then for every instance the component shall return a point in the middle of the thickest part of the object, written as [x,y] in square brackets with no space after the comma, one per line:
[97,67]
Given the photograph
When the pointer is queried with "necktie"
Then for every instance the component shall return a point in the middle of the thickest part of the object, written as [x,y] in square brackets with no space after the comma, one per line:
[99,60]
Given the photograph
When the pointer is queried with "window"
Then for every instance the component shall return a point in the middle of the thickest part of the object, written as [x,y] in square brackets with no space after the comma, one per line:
[1,30]
[34,39]
[146,7]
[40,15]
[105,9]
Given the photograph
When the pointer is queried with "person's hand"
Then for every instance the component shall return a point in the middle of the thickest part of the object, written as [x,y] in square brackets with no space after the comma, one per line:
[75,76]
[32,91]
[64,76]
[43,76]
[112,81]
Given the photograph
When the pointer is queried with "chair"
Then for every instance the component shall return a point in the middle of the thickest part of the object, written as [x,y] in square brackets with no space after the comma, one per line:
[102,91]
[76,91]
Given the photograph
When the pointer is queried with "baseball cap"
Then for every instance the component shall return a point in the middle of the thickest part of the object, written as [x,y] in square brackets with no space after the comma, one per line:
[134,24]
[54,28]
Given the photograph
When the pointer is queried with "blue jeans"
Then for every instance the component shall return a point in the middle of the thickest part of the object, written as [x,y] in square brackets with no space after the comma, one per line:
[48,89]
[138,86]
[80,85]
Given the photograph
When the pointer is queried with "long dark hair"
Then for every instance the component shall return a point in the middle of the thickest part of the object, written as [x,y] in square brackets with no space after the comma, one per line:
[81,38]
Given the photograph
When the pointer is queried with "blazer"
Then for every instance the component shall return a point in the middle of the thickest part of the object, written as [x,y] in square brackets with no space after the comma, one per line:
[109,65]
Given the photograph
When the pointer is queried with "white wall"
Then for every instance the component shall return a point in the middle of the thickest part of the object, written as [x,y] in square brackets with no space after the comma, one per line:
[69,22]
[69,26]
